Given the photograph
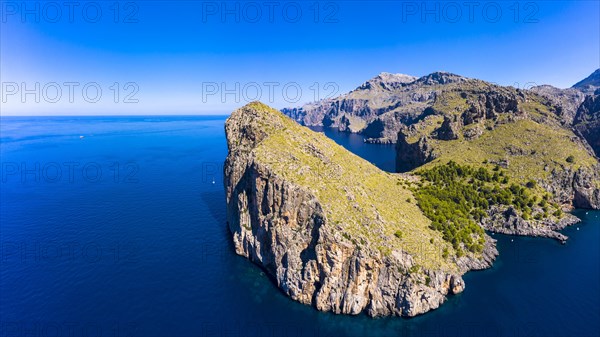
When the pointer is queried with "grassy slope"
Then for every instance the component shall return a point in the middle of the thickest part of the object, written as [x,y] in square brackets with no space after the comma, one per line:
[532,149]
[369,206]
[533,146]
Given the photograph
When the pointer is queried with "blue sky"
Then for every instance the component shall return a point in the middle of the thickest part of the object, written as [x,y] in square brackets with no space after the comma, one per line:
[209,57]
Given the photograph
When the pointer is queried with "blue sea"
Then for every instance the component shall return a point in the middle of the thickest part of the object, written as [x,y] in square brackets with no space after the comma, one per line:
[115,226]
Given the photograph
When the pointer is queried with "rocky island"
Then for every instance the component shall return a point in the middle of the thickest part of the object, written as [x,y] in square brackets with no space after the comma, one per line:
[335,232]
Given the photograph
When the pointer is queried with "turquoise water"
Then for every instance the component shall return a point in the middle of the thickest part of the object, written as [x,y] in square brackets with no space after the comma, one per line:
[142,249]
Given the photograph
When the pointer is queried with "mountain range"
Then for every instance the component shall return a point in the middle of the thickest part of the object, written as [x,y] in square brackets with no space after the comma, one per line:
[388,103]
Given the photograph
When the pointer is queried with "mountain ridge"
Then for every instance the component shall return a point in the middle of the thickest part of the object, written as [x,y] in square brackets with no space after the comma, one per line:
[380,107]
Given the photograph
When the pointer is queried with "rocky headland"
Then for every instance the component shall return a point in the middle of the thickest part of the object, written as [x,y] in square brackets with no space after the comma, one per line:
[331,229]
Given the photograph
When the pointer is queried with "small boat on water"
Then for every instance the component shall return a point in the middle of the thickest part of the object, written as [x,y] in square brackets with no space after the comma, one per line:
[81,137]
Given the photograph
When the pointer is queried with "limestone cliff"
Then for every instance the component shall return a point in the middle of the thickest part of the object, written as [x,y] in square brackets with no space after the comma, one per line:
[331,229]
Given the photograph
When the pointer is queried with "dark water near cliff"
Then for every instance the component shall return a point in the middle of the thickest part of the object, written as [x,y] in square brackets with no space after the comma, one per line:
[142,249]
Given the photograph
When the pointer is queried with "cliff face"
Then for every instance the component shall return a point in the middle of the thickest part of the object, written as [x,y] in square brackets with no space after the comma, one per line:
[409,156]
[319,220]
[587,121]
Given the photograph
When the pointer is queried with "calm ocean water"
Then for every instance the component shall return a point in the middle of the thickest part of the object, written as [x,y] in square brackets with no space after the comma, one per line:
[122,233]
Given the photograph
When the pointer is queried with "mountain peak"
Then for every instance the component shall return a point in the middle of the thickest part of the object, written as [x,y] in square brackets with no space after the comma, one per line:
[589,84]
[391,77]
[441,77]
[388,81]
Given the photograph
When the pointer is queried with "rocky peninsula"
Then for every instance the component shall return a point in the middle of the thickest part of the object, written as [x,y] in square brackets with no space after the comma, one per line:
[330,228]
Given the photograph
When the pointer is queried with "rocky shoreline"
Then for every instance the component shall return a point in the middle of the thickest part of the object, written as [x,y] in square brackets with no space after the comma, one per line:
[508,221]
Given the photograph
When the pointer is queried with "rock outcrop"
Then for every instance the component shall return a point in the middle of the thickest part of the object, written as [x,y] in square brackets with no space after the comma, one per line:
[576,188]
[319,220]
[412,155]
[449,130]
[507,220]
[567,100]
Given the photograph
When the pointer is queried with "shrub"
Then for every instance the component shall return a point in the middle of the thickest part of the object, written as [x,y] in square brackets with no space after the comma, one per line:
[570,159]
[445,253]
[531,184]
[455,197]
[398,234]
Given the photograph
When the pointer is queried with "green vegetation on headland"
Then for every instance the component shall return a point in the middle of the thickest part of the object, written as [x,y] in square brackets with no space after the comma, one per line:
[456,197]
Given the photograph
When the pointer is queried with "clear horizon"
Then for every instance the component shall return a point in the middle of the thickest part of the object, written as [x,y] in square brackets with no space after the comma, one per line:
[111,58]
